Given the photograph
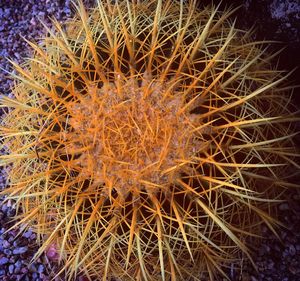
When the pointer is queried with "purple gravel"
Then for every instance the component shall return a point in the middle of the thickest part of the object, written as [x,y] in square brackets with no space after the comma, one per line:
[20,18]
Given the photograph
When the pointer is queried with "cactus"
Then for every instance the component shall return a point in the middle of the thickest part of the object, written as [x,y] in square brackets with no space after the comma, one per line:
[148,141]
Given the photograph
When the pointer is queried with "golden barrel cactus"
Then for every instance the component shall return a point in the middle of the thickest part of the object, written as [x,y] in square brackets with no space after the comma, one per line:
[147,140]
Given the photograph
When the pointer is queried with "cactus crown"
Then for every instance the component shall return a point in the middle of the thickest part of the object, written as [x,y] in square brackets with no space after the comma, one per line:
[147,140]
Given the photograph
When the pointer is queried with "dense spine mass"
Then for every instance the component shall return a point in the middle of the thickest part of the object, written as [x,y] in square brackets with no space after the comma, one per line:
[147,141]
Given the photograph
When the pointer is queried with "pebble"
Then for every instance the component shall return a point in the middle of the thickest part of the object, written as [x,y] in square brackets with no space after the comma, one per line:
[276,260]
[6,244]
[3,260]
[7,252]
[41,268]
[11,268]
[292,250]
[284,207]
[20,250]
[27,234]
[32,268]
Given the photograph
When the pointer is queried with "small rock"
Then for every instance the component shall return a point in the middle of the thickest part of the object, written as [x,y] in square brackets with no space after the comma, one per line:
[11,268]
[41,268]
[18,265]
[6,244]
[3,260]
[32,268]
[24,270]
[20,250]
[294,270]
[27,234]
[270,265]
[292,250]
[52,252]
[284,207]
[7,252]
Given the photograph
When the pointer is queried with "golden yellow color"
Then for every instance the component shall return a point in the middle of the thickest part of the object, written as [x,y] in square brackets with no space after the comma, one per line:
[148,140]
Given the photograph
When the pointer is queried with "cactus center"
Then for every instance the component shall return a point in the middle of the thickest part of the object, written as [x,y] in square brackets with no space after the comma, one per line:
[132,137]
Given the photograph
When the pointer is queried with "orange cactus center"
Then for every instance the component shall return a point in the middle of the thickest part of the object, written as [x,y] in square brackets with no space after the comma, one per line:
[137,137]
